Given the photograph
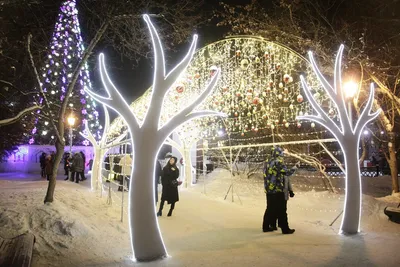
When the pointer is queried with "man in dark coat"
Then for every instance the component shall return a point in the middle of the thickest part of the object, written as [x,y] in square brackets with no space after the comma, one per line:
[170,174]
[274,184]
[77,167]
[84,164]
[42,161]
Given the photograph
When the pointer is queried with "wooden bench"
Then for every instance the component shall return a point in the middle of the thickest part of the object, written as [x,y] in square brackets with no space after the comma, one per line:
[17,251]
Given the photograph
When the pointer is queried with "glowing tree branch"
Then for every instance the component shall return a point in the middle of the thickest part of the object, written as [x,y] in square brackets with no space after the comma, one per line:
[347,136]
[99,149]
[147,139]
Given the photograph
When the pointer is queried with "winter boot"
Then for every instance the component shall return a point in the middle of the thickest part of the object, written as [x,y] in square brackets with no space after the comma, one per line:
[287,231]
[170,212]
[269,229]
[159,213]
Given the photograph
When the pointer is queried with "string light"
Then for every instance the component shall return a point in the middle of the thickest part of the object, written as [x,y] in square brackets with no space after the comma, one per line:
[66,41]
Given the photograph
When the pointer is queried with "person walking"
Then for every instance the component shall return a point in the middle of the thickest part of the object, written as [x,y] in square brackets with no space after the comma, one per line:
[77,167]
[49,166]
[169,176]
[42,161]
[274,185]
[84,164]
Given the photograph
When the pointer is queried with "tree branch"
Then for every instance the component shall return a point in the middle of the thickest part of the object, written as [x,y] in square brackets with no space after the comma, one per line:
[19,115]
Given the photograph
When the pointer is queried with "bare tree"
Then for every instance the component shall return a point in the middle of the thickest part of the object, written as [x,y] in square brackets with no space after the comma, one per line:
[147,138]
[347,136]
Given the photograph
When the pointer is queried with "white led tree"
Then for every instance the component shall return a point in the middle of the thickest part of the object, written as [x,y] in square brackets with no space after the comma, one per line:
[148,136]
[347,135]
[100,148]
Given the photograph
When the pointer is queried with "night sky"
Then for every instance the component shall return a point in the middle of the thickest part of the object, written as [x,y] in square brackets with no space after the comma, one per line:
[134,79]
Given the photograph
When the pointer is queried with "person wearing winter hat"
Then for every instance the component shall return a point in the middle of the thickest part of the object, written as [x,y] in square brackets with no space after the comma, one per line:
[274,185]
[169,176]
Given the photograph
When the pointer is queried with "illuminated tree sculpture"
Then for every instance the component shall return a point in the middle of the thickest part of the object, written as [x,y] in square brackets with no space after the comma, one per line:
[100,148]
[346,134]
[148,135]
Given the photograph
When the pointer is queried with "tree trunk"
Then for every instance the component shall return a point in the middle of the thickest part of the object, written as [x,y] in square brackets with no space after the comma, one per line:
[393,162]
[188,167]
[96,179]
[352,204]
[52,183]
[145,234]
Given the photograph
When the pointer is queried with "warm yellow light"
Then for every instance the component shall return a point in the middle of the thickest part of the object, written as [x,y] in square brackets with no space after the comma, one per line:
[350,89]
[71,120]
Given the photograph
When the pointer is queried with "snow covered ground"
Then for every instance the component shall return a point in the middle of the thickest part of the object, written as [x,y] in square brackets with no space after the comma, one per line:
[81,229]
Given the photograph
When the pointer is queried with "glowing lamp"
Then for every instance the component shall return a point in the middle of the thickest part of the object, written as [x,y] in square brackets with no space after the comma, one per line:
[71,120]
[350,89]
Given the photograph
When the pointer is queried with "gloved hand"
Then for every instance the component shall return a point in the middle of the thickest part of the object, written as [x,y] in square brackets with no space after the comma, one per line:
[291,194]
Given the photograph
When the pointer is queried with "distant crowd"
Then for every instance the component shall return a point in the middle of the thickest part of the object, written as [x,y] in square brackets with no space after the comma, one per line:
[74,166]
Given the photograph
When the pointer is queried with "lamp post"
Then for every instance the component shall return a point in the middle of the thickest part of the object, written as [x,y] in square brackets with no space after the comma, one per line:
[71,122]
[350,90]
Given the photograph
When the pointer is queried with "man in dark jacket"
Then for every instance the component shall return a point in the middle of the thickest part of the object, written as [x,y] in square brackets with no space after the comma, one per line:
[77,167]
[42,161]
[274,185]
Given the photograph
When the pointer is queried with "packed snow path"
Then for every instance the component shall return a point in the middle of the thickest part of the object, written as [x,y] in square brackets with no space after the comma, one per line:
[80,229]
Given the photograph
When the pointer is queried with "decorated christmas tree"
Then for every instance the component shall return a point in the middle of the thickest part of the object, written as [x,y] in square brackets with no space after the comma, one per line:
[65,52]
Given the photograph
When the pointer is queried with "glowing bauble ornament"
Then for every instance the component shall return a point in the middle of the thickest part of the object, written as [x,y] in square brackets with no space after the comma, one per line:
[248,114]
[285,99]
[276,121]
[286,78]
[278,66]
[298,125]
[286,90]
[268,90]
[236,114]
[280,96]
[266,55]
[249,96]
[271,83]
[256,101]
[291,106]
[238,52]
[197,75]
[238,94]
[312,125]
[299,98]
[246,126]
[280,85]
[264,94]
[256,129]
[331,111]
[300,113]
[180,88]
[272,126]
[213,70]
[287,125]
[242,134]
[244,64]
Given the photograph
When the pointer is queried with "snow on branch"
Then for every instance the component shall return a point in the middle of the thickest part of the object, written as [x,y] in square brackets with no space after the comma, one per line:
[19,115]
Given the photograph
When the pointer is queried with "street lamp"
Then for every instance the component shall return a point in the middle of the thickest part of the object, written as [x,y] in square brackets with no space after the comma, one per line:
[350,90]
[71,122]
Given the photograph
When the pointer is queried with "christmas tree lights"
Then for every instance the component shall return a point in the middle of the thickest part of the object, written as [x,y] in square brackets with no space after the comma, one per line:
[65,52]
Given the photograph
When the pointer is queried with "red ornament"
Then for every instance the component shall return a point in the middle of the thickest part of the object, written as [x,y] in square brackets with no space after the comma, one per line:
[256,101]
[299,98]
[180,88]
[197,75]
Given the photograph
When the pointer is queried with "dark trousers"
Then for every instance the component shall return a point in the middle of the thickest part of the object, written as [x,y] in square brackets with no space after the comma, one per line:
[43,173]
[162,205]
[276,210]
[121,182]
[75,176]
